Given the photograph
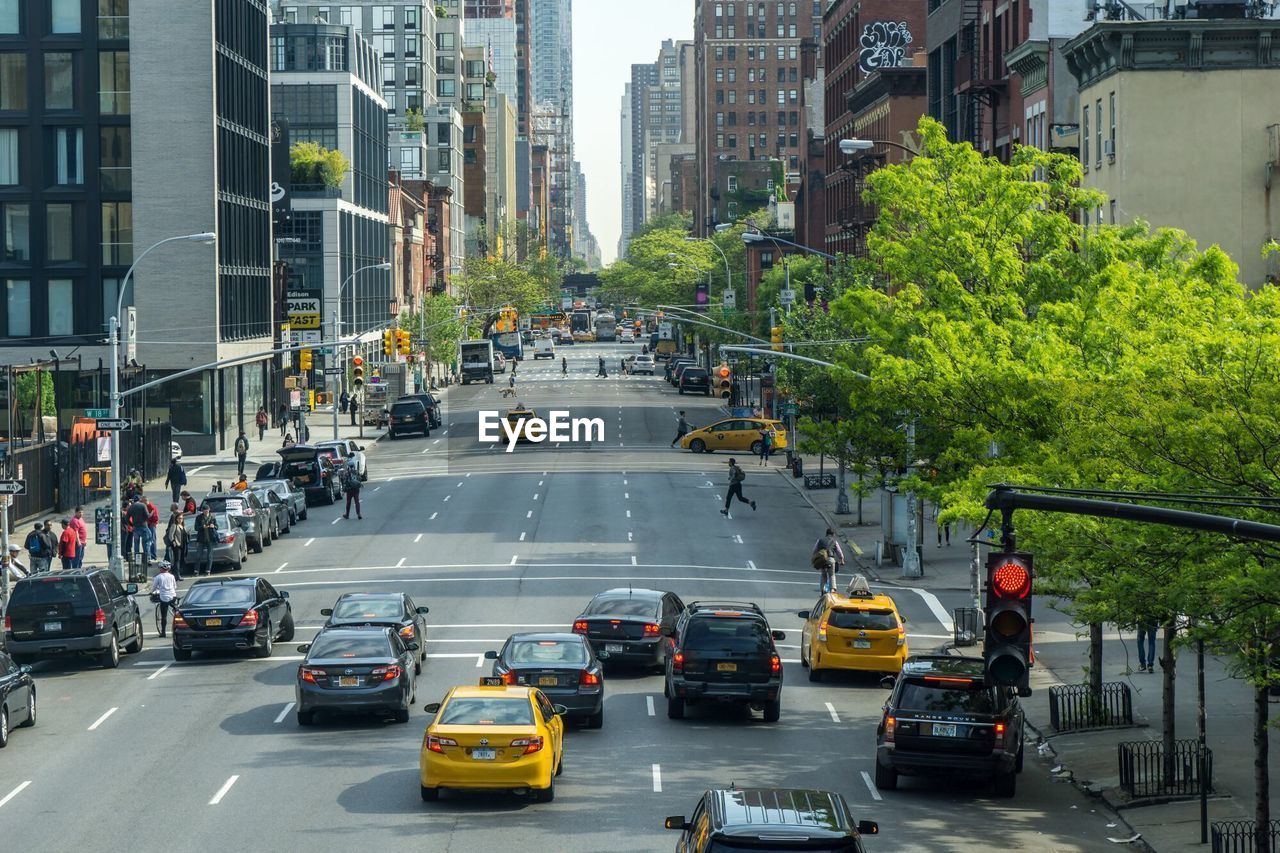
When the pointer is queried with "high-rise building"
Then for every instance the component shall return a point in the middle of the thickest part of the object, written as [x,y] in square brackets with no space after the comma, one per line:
[625,171]
[442,129]
[516,11]
[551,41]
[643,77]
[665,123]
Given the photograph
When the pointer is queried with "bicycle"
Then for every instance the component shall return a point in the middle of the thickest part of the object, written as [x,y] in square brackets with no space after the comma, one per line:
[161,618]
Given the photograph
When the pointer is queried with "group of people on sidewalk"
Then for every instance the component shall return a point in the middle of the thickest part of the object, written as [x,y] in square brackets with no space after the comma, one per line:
[43,546]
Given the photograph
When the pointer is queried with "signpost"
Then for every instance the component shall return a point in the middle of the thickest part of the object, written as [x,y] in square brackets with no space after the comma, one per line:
[786,297]
[730,299]
[97,413]
[113,424]
[13,487]
[333,371]
[304,309]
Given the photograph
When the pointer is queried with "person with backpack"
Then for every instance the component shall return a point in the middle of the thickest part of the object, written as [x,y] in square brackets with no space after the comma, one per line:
[353,492]
[241,451]
[175,478]
[766,443]
[37,549]
[736,476]
[261,420]
[827,558]
[133,484]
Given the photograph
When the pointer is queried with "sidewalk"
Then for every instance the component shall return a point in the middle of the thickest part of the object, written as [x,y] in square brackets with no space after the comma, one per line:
[1089,759]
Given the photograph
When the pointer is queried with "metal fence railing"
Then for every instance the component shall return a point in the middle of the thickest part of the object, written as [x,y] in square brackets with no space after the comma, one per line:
[1074,706]
[1241,836]
[1145,770]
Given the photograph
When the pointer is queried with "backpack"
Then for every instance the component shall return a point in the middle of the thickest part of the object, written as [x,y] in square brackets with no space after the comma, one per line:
[820,559]
[35,544]
[738,475]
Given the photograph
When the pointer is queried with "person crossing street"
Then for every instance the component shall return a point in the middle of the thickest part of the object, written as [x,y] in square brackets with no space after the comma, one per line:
[736,476]
[353,493]
[176,478]
[241,450]
[564,366]
[682,428]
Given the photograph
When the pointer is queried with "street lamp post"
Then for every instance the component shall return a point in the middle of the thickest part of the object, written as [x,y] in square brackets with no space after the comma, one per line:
[337,333]
[113,330]
[728,276]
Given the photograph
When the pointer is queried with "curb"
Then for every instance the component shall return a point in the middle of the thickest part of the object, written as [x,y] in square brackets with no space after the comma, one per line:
[855,552]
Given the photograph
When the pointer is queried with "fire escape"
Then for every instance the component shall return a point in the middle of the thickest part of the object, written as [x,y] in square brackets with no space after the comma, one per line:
[977,86]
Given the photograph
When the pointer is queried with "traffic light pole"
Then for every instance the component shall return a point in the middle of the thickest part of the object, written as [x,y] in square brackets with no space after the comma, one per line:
[337,360]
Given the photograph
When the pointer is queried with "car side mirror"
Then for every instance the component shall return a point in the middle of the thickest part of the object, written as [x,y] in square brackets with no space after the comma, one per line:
[327,611]
[304,648]
[284,594]
[868,827]
[560,710]
[779,635]
[803,614]
[413,647]
[602,655]
[888,681]
[131,589]
[25,669]
[491,655]
[676,822]
[1024,692]
[359,448]
[424,610]
[432,707]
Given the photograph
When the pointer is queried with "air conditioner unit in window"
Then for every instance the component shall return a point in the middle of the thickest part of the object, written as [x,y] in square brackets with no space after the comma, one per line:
[1108,148]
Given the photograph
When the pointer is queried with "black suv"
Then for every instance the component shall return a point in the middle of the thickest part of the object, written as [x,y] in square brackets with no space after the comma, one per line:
[309,468]
[941,718]
[430,402]
[73,611]
[771,819]
[723,651]
[246,509]
[695,379]
[408,415]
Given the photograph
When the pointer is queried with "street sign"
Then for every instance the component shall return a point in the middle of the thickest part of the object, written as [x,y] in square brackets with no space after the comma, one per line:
[112,424]
[790,409]
[304,310]
[325,350]
[730,299]
[786,297]
[13,487]
[334,371]
[97,413]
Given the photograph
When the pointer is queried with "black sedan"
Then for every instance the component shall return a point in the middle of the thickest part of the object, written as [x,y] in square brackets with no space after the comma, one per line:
[563,666]
[390,609]
[362,669]
[17,697]
[631,625]
[223,614]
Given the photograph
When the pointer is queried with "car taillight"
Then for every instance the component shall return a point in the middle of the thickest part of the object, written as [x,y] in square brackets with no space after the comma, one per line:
[249,619]
[437,744]
[530,744]
[406,633]
[775,665]
[677,662]
[509,677]
[822,631]
[99,619]
[308,674]
[588,677]
[580,626]
[8,623]
[902,636]
[652,630]
[228,537]
[999,735]
[247,512]
[178,621]
[890,723]
[388,673]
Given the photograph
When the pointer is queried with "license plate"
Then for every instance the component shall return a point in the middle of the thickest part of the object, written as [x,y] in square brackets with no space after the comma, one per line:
[862,644]
[613,647]
[941,730]
[726,667]
[348,681]
[212,623]
[548,681]
[484,754]
[53,626]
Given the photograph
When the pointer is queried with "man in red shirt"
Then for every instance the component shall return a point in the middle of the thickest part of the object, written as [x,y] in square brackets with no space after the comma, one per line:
[82,533]
[153,522]
[68,544]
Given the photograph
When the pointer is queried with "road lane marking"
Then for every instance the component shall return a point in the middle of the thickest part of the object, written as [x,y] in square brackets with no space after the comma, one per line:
[751,565]
[831,709]
[18,790]
[657,778]
[871,786]
[628,513]
[648,705]
[282,565]
[309,541]
[633,559]
[446,498]
[102,719]
[433,516]
[287,708]
[222,792]
[336,520]
[529,514]
[540,482]
[459,486]
[400,564]
[425,449]
[522,535]
[737,537]
[629,535]
[514,557]
[626,496]
[535,496]
[417,539]
[156,674]
[624,482]
[436,441]
[480,660]
[468,475]
[936,606]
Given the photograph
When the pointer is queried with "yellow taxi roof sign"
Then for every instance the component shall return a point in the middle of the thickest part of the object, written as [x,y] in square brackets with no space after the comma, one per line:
[492,681]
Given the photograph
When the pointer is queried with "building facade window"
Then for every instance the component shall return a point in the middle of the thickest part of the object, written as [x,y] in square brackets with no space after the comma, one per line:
[11,17]
[115,169]
[64,16]
[113,19]
[59,81]
[16,227]
[10,162]
[446,88]
[1113,130]
[1084,139]
[59,233]
[113,82]
[117,233]
[1098,140]
[17,298]
[411,17]
[62,301]
[13,81]
[68,153]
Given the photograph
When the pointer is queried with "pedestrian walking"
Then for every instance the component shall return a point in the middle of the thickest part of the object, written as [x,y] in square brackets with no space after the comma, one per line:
[682,428]
[37,549]
[206,537]
[283,417]
[68,542]
[355,410]
[564,366]
[766,443]
[827,558]
[175,478]
[944,531]
[175,540]
[241,450]
[164,589]
[82,532]
[261,420]
[137,515]
[188,503]
[153,526]
[1146,644]
[736,476]
[353,494]
[344,401]
[601,371]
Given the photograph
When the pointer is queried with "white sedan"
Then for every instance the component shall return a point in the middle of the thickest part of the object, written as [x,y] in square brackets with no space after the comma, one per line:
[348,449]
[628,336]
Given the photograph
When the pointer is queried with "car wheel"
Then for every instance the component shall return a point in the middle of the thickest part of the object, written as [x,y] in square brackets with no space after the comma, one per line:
[417,667]
[332,499]
[391,435]
[31,710]
[815,674]
[257,546]
[181,654]
[430,795]
[560,766]
[244,553]
[4,727]
[698,446]
[596,720]
[708,394]
[306,718]
[886,778]
[1017,765]
[1006,784]
[755,447]
[547,794]
[303,515]
[681,392]
[267,647]
[401,715]
[772,710]
[111,657]
[286,627]
[675,708]
[135,645]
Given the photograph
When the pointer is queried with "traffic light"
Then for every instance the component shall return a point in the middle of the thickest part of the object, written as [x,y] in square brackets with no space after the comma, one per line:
[724,381]
[389,343]
[404,342]
[1006,649]
[304,359]
[775,337]
[357,371]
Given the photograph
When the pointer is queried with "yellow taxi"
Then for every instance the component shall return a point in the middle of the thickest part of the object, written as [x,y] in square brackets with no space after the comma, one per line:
[493,736]
[740,434]
[856,631]
[517,418]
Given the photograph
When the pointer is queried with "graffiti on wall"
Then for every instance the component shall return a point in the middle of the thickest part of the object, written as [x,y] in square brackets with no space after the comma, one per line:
[884,45]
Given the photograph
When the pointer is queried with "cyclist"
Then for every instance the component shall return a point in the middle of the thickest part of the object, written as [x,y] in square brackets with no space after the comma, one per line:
[164,591]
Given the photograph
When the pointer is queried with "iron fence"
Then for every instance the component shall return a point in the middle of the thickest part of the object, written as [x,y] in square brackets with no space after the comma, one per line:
[38,466]
[1145,770]
[1075,706]
[146,447]
[1241,836]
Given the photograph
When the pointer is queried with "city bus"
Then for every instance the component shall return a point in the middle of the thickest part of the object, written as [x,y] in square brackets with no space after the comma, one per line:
[509,344]
[580,326]
[606,327]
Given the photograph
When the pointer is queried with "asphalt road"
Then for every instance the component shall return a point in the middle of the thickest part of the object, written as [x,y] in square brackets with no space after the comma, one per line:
[158,754]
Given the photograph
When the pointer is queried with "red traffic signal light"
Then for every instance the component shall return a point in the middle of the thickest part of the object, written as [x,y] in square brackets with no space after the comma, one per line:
[1011,579]
[1007,645]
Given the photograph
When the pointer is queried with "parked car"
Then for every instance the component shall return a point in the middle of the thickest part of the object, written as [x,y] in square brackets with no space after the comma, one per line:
[391,609]
[73,611]
[295,499]
[225,614]
[275,506]
[357,668]
[432,404]
[695,379]
[310,468]
[17,697]
[231,547]
[247,511]
[408,415]
[348,450]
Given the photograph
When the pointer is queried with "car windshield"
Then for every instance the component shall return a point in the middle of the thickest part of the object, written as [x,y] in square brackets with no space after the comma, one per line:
[348,646]
[265,496]
[218,595]
[728,633]
[538,652]
[720,845]
[53,591]
[611,606]
[960,695]
[364,608]
[485,711]
[862,620]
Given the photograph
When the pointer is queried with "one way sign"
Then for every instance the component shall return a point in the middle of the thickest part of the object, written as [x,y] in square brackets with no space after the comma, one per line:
[13,487]
[112,424]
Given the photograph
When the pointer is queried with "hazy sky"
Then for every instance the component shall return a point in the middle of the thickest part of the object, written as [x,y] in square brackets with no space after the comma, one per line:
[608,36]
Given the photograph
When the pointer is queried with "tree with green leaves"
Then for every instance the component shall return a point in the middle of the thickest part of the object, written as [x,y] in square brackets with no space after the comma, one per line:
[438,324]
